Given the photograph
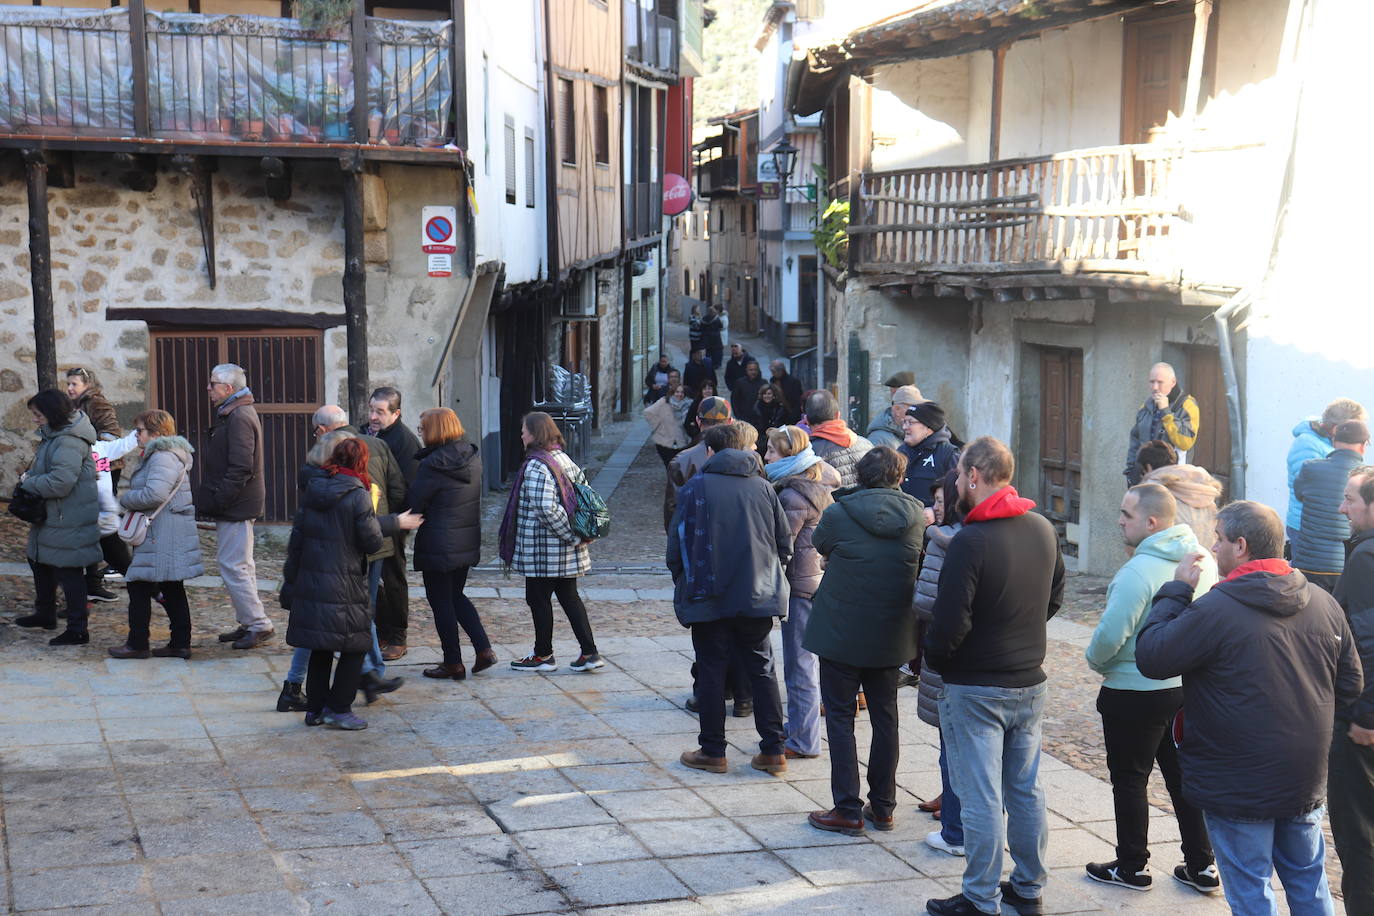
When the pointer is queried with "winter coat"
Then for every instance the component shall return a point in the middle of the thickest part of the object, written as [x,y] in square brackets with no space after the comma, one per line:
[744,395]
[712,333]
[448,493]
[1003,578]
[861,614]
[545,544]
[734,369]
[385,475]
[1266,660]
[664,426]
[107,454]
[882,431]
[791,389]
[1355,593]
[233,485]
[102,416]
[63,473]
[770,416]
[1196,494]
[656,382]
[1176,424]
[694,374]
[928,463]
[1308,443]
[326,566]
[748,536]
[1322,532]
[171,551]
[1111,652]
[927,587]
[803,500]
[844,459]
[403,444]
[682,468]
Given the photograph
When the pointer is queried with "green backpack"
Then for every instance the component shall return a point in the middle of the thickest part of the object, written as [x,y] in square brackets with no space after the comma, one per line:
[592,519]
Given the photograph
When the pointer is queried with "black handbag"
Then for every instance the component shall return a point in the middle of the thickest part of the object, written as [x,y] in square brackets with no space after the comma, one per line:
[27,506]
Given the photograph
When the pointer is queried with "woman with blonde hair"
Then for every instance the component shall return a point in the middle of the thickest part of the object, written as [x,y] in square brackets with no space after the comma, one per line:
[804,483]
[448,492]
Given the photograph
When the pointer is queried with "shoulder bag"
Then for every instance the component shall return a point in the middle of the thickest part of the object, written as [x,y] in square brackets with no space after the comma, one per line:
[133,529]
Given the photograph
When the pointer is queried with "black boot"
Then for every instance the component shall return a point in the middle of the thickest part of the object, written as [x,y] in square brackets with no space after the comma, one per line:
[291,699]
[40,621]
[374,685]
[70,637]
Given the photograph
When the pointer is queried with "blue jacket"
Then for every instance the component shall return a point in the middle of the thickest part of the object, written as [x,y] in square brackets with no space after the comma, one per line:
[1308,443]
[1322,531]
[1111,652]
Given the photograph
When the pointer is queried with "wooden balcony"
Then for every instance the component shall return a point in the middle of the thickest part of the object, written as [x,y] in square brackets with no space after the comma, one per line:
[718,176]
[126,79]
[1098,211]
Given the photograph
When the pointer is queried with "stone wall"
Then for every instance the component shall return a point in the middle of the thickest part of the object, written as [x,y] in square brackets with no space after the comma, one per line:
[117,248]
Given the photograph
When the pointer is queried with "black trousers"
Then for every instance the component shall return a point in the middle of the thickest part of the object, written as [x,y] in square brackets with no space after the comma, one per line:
[539,594]
[393,598]
[737,686]
[1350,803]
[666,454]
[840,684]
[72,580]
[452,609]
[141,595]
[117,555]
[338,696]
[746,639]
[1136,730]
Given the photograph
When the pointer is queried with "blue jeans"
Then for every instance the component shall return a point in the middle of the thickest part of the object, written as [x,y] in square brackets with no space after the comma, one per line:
[992,738]
[1249,852]
[801,673]
[951,819]
[372,661]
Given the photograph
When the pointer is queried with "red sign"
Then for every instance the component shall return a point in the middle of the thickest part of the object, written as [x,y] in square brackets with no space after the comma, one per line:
[677,194]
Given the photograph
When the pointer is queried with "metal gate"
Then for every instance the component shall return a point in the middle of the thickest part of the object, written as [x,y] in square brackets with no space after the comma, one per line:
[285,370]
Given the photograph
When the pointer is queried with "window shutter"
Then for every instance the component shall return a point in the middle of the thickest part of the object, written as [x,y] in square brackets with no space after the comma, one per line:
[567,114]
[529,167]
[510,159]
[603,125]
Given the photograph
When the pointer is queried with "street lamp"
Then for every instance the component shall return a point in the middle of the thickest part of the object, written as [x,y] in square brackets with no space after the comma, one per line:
[784,163]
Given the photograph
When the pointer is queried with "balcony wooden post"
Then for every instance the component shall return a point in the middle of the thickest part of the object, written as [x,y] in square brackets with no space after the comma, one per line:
[355,286]
[1202,14]
[138,57]
[358,47]
[40,269]
[999,67]
[458,60]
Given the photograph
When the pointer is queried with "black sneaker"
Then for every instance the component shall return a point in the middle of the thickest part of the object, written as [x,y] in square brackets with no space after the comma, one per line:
[958,905]
[535,663]
[100,593]
[1024,906]
[1136,879]
[587,663]
[1203,880]
[692,704]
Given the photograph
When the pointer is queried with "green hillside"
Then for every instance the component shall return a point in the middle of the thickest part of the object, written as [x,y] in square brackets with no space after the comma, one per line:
[731,81]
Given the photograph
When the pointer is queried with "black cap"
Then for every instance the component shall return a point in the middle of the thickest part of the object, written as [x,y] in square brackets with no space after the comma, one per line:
[898,379]
[929,413]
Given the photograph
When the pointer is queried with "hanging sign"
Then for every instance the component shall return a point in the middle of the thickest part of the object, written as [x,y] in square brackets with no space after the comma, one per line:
[441,265]
[438,230]
[677,194]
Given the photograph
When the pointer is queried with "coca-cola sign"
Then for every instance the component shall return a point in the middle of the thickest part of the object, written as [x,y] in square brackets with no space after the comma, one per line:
[677,194]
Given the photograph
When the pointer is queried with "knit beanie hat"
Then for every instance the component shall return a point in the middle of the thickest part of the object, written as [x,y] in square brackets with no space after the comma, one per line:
[908,395]
[715,409]
[929,414]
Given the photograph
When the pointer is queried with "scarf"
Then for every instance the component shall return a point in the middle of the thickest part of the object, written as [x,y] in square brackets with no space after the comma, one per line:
[1005,503]
[793,464]
[835,431]
[229,400]
[680,407]
[1277,565]
[334,469]
[694,541]
[566,495]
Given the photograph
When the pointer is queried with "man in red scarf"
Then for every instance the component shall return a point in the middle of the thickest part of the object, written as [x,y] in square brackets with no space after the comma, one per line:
[1266,659]
[832,439]
[1002,579]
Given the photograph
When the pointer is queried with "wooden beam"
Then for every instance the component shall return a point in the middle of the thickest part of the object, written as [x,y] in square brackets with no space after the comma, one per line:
[277,177]
[358,48]
[999,67]
[355,286]
[138,59]
[1202,14]
[458,58]
[40,269]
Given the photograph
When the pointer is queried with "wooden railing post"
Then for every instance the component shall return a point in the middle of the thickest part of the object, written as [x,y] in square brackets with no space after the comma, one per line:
[40,269]
[358,46]
[138,56]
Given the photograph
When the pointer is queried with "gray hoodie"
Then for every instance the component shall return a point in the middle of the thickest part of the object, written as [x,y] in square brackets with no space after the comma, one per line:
[63,473]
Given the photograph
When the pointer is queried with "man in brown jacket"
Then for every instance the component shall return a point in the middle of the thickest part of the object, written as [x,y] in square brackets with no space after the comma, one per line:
[233,494]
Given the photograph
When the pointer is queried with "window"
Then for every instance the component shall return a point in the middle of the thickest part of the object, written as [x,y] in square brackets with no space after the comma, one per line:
[602,124]
[510,159]
[529,167]
[567,125]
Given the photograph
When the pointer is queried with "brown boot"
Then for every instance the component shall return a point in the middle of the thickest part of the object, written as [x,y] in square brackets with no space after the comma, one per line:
[699,761]
[126,652]
[456,672]
[769,763]
[835,822]
[879,823]
[485,659]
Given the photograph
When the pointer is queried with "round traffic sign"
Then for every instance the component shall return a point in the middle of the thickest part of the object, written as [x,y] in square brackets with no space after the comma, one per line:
[438,229]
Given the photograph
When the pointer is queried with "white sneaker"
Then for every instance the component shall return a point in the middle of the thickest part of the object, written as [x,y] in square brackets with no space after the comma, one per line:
[936,840]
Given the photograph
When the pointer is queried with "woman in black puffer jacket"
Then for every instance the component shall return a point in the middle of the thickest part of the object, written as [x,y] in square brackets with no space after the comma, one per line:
[326,583]
[448,492]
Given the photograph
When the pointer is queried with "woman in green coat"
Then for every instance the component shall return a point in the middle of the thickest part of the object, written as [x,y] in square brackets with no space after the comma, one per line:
[68,539]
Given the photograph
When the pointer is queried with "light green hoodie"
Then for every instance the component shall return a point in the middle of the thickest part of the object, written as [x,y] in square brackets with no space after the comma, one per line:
[1111,652]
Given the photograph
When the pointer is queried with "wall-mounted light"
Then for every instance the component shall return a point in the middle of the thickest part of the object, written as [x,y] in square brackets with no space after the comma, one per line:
[788,262]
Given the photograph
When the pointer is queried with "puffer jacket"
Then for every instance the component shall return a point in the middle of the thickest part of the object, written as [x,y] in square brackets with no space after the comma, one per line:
[1176,424]
[448,493]
[1308,443]
[928,463]
[804,500]
[844,459]
[326,566]
[385,474]
[545,544]
[63,473]
[1323,530]
[171,552]
[882,431]
[927,587]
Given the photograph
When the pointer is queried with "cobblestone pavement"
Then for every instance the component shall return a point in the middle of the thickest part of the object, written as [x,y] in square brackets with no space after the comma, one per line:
[172,787]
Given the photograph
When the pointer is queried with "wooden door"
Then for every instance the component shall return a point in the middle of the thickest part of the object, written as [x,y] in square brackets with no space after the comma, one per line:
[285,370]
[1061,434]
[1204,382]
[1155,73]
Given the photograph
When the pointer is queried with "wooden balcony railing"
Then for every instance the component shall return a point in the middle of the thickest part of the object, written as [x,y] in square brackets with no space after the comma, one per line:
[185,76]
[1099,209]
[716,175]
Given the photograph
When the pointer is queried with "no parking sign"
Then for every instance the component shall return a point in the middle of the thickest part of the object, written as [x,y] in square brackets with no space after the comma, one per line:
[438,231]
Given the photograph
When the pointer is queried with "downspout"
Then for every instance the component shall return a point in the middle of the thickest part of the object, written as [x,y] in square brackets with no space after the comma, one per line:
[1222,317]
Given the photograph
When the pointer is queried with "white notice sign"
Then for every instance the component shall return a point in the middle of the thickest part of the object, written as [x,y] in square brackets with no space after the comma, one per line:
[441,265]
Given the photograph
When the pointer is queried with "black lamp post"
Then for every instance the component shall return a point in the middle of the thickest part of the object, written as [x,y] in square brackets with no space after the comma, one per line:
[784,163]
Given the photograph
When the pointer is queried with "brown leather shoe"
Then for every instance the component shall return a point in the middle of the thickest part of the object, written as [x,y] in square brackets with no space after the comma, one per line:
[126,652]
[699,761]
[485,659]
[456,672]
[797,755]
[390,653]
[932,806]
[253,638]
[171,651]
[834,822]
[770,763]
[879,823]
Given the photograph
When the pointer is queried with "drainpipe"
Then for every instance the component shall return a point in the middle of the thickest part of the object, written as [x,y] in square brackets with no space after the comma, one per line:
[1222,317]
